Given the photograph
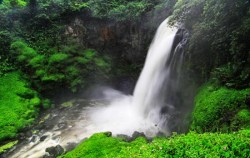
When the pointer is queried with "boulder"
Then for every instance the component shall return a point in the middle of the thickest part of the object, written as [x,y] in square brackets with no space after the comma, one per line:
[54,151]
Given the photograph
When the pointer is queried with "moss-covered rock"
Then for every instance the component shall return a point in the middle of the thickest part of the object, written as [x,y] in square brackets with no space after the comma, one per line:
[218,108]
[7,146]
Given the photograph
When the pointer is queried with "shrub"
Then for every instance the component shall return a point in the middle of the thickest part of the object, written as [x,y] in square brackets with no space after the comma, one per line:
[23,51]
[215,108]
[54,69]
[57,58]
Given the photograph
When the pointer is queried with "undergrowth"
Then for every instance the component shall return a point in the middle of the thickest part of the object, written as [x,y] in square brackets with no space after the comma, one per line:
[191,145]
[18,105]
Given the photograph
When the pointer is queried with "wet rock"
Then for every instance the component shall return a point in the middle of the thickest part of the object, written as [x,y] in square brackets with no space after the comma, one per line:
[54,151]
[43,138]
[48,156]
[62,125]
[21,136]
[34,138]
[108,134]
[28,134]
[124,137]
[137,134]
[70,146]
[68,104]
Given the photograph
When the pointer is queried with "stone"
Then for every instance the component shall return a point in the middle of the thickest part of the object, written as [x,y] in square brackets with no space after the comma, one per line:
[34,138]
[70,146]
[55,150]
[43,138]
[137,134]
[62,125]
[124,137]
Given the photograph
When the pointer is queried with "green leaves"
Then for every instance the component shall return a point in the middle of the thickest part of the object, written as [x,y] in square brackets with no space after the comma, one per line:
[219,30]
[57,58]
[191,145]
[51,69]
[216,109]
[118,9]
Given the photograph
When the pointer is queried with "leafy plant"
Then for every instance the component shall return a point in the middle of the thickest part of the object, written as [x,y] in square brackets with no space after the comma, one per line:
[216,109]
[189,145]
[54,69]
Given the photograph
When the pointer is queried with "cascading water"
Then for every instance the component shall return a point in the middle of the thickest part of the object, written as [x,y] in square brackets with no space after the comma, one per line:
[147,93]
[144,111]
[148,110]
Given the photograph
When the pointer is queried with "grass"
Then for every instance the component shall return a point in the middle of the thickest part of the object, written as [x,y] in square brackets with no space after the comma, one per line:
[18,105]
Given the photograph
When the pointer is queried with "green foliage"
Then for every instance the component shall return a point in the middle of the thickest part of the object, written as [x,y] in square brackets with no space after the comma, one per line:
[23,51]
[216,109]
[18,105]
[119,9]
[233,75]
[57,58]
[219,30]
[14,3]
[5,66]
[191,145]
[5,40]
[241,119]
[98,145]
[53,69]
[46,103]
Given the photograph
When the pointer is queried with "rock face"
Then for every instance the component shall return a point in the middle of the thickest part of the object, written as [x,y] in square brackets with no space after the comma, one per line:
[122,39]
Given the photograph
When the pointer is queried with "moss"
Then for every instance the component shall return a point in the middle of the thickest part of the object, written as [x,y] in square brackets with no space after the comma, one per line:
[35,101]
[17,105]
[68,104]
[7,146]
[215,108]
[98,145]
[46,103]
[241,119]
[190,145]
[46,117]
[102,63]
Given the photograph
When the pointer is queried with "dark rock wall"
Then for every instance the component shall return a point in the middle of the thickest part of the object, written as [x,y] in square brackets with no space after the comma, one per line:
[128,40]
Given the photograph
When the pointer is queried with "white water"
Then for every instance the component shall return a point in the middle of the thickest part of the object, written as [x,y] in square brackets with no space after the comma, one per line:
[141,112]
[153,74]
[125,114]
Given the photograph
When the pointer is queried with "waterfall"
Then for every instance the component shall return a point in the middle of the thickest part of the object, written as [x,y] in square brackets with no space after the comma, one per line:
[153,102]
[152,109]
[147,93]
